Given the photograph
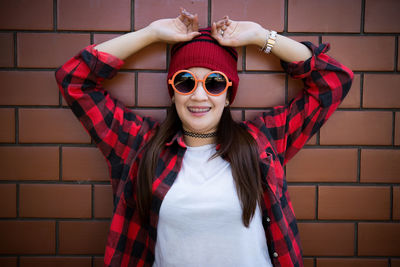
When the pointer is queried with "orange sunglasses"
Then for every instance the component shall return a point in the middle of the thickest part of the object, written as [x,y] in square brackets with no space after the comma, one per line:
[185,82]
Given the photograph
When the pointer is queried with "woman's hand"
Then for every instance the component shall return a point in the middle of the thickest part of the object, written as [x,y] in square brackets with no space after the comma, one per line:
[181,29]
[238,33]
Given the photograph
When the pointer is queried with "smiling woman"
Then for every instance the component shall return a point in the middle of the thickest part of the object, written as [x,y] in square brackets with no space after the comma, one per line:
[199,111]
[201,189]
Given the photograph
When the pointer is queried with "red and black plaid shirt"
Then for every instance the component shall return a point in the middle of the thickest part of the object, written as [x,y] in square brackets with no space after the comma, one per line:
[120,135]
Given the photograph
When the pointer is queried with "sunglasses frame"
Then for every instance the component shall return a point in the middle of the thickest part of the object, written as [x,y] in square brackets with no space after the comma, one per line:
[196,81]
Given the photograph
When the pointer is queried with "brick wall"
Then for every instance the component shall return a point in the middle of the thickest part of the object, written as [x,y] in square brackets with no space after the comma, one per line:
[55,198]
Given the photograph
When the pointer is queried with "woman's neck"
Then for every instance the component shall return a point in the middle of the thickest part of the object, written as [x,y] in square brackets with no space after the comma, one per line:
[195,138]
[195,141]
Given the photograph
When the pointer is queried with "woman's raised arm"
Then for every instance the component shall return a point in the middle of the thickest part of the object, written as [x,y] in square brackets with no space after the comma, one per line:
[117,131]
[326,83]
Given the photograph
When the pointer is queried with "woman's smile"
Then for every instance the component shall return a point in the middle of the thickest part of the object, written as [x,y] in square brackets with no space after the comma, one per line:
[199,110]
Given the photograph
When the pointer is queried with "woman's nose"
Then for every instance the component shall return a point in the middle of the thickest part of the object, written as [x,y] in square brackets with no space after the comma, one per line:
[200,92]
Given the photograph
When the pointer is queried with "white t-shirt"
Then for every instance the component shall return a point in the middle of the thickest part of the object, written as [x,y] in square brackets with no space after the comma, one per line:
[200,219]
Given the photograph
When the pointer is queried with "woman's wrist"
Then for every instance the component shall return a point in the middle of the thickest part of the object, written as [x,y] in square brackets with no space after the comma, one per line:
[150,34]
[262,37]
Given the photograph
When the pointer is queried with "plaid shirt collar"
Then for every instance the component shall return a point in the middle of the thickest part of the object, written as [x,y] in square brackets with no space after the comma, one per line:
[178,138]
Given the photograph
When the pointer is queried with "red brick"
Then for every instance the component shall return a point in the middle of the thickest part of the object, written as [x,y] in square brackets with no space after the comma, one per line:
[396,203]
[303,201]
[321,165]
[312,140]
[28,88]
[295,86]
[7,122]
[55,261]
[397,129]
[8,262]
[352,99]
[380,166]
[6,49]
[354,203]
[98,261]
[260,90]
[269,13]
[382,16]
[311,38]
[157,114]
[94,15]
[83,163]
[151,10]
[55,200]
[257,60]
[82,237]
[48,50]
[27,237]
[321,262]
[240,58]
[152,90]
[236,115]
[381,91]
[324,16]
[327,239]
[103,205]
[8,200]
[362,52]
[378,239]
[152,57]
[50,126]
[29,163]
[26,15]
[308,262]
[122,87]
[99,38]
[358,127]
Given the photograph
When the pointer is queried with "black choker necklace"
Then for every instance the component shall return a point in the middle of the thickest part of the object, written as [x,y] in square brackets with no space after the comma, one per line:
[200,135]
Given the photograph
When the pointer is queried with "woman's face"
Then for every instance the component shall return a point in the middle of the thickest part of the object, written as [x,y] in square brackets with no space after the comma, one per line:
[199,111]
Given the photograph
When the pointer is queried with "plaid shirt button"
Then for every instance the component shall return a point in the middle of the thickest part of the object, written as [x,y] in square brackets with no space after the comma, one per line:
[275,254]
[268,219]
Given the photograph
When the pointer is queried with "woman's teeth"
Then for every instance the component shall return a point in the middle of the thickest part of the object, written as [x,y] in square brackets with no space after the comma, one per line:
[198,110]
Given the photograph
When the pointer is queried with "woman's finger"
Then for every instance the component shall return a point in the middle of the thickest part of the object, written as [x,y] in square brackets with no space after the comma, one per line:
[214,31]
[195,23]
[219,23]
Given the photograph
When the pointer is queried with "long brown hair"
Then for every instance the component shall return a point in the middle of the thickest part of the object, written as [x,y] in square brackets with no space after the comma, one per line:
[237,146]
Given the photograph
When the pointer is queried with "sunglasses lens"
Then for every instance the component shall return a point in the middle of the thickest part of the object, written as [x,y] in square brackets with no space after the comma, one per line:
[215,83]
[184,82]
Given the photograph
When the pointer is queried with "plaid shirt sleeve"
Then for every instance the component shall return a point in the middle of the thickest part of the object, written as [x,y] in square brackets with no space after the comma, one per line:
[326,83]
[115,129]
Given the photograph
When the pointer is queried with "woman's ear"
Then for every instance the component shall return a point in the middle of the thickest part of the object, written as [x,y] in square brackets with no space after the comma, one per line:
[173,99]
[226,102]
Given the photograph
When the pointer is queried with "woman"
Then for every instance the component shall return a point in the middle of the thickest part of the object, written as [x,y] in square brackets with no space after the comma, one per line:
[202,190]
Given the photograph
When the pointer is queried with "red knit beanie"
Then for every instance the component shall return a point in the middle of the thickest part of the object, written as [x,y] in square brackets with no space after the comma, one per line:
[204,51]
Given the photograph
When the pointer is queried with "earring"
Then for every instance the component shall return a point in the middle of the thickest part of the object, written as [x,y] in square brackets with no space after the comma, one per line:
[226,103]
